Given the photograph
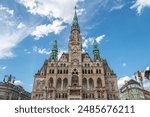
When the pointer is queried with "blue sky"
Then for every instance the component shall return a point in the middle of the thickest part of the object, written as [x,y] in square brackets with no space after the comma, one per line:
[28,29]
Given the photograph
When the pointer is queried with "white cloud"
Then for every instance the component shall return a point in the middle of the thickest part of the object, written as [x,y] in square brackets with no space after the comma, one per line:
[124,65]
[85,43]
[41,50]
[80,11]
[83,50]
[21,25]
[7,10]
[90,40]
[60,52]
[117,7]
[122,80]
[147,68]
[10,40]
[18,82]
[146,85]
[4,67]
[99,39]
[10,36]
[61,9]
[27,51]
[31,85]
[140,5]
[44,30]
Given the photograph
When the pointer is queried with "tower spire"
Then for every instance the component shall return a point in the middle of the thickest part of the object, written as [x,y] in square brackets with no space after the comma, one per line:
[96,52]
[54,52]
[75,24]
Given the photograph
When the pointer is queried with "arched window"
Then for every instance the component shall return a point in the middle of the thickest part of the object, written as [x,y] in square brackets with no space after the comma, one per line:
[67,71]
[89,72]
[84,84]
[74,80]
[50,82]
[50,71]
[64,71]
[91,84]
[60,71]
[99,83]
[85,71]
[96,71]
[58,85]
[65,83]
[97,64]
[88,65]
[52,64]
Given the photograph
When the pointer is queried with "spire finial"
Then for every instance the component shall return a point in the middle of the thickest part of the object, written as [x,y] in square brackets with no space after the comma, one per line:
[75,24]
[75,8]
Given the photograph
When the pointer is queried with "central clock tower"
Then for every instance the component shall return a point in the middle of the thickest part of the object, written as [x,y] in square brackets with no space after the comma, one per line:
[75,60]
[75,43]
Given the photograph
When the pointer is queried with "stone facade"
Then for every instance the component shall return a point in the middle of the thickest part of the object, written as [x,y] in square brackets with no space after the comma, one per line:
[147,94]
[10,91]
[75,76]
[132,90]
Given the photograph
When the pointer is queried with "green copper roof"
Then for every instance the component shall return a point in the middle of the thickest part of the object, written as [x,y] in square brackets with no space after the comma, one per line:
[55,46]
[54,52]
[95,45]
[96,51]
[75,24]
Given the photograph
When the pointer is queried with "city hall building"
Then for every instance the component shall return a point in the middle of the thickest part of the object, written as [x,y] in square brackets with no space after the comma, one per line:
[75,75]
